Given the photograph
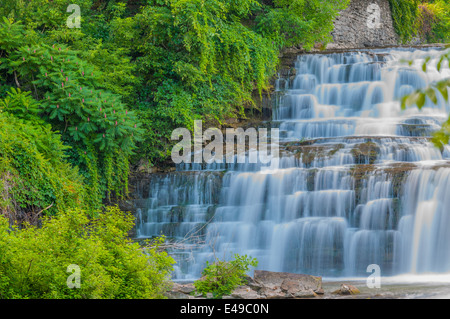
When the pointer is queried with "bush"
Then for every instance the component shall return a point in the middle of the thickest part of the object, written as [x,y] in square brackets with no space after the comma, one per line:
[405,15]
[429,20]
[222,277]
[34,174]
[441,23]
[34,261]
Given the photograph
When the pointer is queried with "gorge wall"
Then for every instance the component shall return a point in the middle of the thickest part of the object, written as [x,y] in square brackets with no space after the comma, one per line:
[365,23]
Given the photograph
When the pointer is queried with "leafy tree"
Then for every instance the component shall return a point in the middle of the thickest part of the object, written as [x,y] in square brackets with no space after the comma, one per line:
[204,60]
[74,99]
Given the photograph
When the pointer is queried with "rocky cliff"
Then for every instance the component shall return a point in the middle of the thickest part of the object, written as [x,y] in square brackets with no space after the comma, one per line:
[365,23]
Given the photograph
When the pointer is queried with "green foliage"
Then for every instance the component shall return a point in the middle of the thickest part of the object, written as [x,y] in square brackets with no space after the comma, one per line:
[300,22]
[78,105]
[34,173]
[42,15]
[419,98]
[222,277]
[195,60]
[34,261]
[75,100]
[405,15]
[172,61]
[429,20]
[22,105]
[202,60]
[439,20]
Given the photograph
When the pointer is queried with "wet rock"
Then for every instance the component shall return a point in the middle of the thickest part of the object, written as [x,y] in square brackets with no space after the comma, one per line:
[346,290]
[177,295]
[287,285]
[187,288]
[245,292]
[365,153]
[276,279]
[250,282]
[144,167]
[270,285]
[272,293]
[181,290]
[305,294]
[320,291]
[290,286]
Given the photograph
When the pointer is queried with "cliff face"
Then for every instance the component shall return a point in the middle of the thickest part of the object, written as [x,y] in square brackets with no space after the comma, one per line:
[365,23]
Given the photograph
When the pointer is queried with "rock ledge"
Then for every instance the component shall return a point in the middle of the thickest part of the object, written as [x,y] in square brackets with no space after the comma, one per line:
[263,285]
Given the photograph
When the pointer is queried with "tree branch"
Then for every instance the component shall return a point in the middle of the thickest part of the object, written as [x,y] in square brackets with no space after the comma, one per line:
[15,79]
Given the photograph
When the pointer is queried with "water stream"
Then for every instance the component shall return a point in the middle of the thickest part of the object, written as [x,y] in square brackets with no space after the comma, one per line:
[358,181]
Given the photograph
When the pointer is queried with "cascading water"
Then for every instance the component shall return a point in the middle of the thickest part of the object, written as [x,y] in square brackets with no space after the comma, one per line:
[358,181]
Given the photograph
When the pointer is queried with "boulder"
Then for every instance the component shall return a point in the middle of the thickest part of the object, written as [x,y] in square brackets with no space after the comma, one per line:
[320,291]
[272,293]
[266,285]
[181,291]
[304,294]
[287,285]
[293,289]
[346,290]
[187,288]
[275,279]
[245,292]
[250,282]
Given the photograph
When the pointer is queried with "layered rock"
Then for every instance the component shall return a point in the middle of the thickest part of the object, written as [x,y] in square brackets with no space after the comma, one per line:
[352,28]
[263,285]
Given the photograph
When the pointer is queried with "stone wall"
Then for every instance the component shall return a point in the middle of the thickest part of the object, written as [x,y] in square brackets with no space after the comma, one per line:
[358,26]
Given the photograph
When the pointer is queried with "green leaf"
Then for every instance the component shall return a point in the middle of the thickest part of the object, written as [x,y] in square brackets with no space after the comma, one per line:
[420,101]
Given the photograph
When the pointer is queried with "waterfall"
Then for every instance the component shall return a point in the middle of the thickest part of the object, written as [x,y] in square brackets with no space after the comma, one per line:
[358,181]
[425,221]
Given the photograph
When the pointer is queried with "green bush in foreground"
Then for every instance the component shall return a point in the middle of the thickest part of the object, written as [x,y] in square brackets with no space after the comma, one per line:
[34,261]
[222,277]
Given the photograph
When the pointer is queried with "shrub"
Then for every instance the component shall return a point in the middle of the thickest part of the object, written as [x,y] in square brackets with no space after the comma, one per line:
[405,14]
[222,277]
[429,20]
[34,174]
[441,25]
[34,261]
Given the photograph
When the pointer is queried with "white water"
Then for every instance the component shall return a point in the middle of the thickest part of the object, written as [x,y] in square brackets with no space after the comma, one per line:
[334,214]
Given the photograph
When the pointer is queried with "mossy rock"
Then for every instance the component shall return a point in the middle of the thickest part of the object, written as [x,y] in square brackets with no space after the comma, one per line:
[365,153]
[308,153]
[346,289]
